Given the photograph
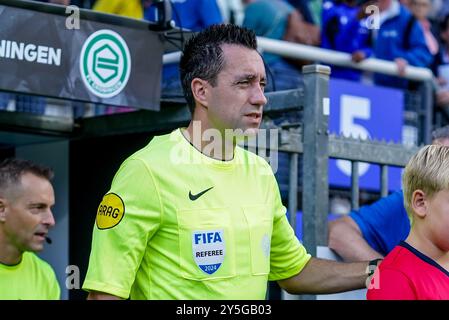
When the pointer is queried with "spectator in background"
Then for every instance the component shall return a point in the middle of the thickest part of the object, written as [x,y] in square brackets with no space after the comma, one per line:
[406,3]
[285,23]
[26,198]
[341,31]
[418,268]
[194,15]
[442,66]
[285,75]
[129,8]
[440,8]
[420,10]
[374,230]
[399,39]
[231,11]
[309,9]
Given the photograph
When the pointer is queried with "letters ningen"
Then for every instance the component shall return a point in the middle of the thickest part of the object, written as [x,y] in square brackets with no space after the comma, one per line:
[30,52]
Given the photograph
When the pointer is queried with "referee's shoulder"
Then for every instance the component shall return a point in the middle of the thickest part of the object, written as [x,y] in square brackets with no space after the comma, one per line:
[253,158]
[159,147]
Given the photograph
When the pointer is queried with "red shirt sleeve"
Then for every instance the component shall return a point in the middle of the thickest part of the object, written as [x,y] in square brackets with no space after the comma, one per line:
[389,284]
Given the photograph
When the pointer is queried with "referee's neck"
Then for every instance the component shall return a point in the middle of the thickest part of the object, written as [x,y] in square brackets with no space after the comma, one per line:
[210,141]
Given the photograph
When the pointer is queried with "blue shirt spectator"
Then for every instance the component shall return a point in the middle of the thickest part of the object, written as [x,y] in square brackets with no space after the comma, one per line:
[441,66]
[374,230]
[285,75]
[384,223]
[392,43]
[256,14]
[193,15]
[341,31]
[306,7]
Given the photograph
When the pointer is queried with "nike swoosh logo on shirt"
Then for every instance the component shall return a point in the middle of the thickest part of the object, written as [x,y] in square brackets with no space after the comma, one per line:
[193,197]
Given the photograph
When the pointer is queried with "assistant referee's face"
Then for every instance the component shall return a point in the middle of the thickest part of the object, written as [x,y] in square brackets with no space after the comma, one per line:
[237,99]
[28,216]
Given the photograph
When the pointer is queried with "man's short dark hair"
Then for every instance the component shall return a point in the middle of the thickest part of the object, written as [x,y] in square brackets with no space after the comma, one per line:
[202,56]
[12,169]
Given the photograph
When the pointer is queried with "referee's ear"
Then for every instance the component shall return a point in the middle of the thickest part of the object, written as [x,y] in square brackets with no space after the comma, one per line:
[200,91]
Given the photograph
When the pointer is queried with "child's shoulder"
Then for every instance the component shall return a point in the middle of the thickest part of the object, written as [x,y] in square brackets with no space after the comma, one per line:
[397,257]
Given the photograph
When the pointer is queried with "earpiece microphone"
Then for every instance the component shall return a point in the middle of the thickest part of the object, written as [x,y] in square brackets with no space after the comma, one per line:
[48,239]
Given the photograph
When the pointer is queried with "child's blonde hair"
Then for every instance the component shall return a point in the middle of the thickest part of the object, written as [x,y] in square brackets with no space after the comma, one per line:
[428,170]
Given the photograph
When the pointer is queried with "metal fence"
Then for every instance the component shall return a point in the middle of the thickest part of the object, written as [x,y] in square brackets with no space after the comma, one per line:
[311,140]
[419,104]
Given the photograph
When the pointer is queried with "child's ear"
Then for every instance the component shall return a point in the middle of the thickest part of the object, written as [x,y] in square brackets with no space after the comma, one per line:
[419,203]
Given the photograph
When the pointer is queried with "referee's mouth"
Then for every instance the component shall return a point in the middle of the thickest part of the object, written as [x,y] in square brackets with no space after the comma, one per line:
[254,115]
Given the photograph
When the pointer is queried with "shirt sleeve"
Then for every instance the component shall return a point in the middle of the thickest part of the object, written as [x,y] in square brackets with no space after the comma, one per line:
[55,291]
[118,248]
[390,284]
[384,223]
[287,255]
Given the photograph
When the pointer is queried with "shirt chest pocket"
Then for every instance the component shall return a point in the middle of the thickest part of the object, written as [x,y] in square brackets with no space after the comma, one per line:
[206,244]
[260,228]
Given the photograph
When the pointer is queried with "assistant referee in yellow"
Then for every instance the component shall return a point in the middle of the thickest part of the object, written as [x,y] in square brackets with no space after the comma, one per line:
[26,201]
[192,215]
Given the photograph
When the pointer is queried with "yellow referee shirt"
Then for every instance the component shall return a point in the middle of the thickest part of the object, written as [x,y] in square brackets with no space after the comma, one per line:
[177,224]
[31,279]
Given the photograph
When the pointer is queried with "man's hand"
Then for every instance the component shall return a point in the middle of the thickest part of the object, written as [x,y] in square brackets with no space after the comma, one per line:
[96,295]
[358,56]
[443,98]
[325,276]
[401,64]
[363,13]
[346,239]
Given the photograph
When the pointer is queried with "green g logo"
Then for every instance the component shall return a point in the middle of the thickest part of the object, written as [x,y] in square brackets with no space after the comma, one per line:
[105,63]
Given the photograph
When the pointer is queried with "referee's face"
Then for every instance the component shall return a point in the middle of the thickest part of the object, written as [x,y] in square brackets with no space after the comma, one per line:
[237,99]
[28,216]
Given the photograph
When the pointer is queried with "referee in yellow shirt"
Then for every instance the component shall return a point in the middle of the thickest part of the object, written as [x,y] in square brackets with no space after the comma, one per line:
[26,198]
[194,216]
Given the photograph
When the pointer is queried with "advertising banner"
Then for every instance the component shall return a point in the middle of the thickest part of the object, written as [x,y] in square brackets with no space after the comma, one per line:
[108,63]
[363,111]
